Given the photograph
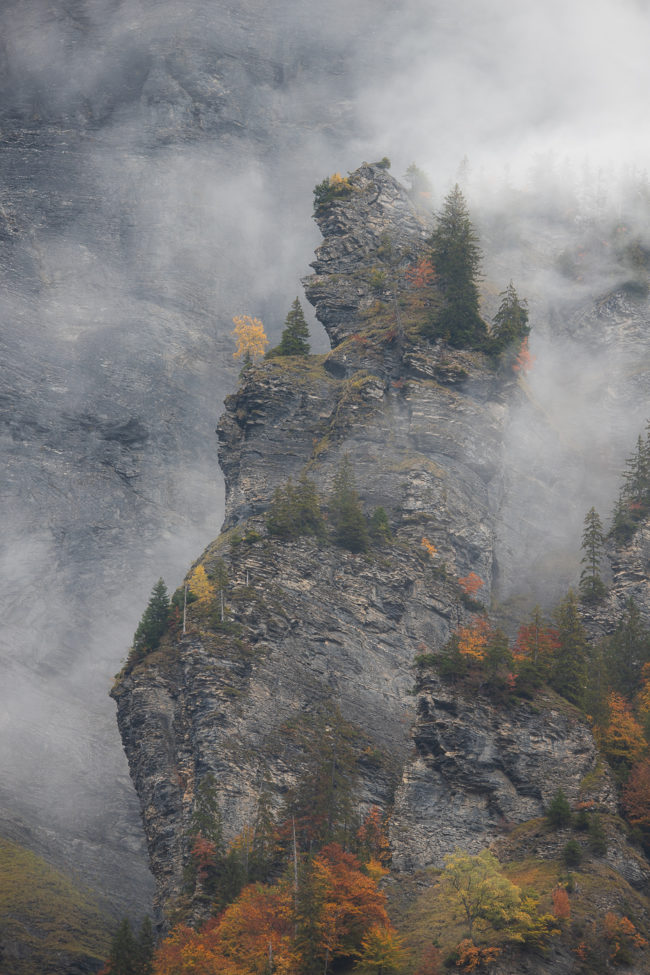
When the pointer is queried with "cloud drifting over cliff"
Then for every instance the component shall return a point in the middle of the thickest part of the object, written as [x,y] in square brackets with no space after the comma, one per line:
[173,190]
[501,82]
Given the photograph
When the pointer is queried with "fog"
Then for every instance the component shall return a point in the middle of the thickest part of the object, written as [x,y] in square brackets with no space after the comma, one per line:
[158,160]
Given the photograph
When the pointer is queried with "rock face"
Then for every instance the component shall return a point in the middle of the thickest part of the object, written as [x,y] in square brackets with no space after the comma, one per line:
[480,768]
[151,157]
[309,626]
[381,218]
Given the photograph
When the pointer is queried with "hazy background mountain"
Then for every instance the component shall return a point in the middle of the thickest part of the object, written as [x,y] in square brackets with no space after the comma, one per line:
[157,165]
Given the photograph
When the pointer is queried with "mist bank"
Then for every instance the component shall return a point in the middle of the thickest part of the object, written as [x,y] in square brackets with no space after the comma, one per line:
[158,161]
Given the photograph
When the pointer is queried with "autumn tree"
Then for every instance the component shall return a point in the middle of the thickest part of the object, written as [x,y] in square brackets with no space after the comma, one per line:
[479,888]
[533,651]
[372,840]
[510,324]
[473,639]
[622,739]
[561,904]
[346,515]
[154,621]
[352,904]
[295,336]
[524,360]
[456,258]
[470,584]
[592,587]
[636,799]
[200,585]
[381,951]
[250,337]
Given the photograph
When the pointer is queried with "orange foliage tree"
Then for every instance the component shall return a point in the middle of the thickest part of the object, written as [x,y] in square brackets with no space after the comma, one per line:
[534,650]
[636,797]
[420,275]
[524,361]
[471,584]
[351,901]
[470,956]
[622,936]
[337,912]
[473,639]
[428,547]
[372,840]
[561,905]
[622,739]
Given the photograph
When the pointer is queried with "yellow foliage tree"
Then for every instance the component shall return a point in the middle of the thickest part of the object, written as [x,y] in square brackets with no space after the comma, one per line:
[200,585]
[250,337]
[381,950]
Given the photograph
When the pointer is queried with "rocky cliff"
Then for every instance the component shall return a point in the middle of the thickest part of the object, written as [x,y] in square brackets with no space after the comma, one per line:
[307,627]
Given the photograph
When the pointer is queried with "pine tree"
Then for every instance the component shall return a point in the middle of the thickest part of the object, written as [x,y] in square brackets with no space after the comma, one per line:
[456,259]
[346,514]
[206,816]
[634,499]
[145,947]
[592,587]
[510,324]
[295,510]
[123,957]
[321,803]
[569,668]
[295,337]
[628,649]
[154,621]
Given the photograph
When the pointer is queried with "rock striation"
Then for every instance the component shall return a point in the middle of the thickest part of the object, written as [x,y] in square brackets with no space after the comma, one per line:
[306,627]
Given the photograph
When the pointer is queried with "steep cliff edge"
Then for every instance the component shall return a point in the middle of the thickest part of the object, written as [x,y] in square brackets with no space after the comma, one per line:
[301,627]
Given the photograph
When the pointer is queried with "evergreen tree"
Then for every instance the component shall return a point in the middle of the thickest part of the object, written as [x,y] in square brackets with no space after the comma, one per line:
[123,957]
[154,621]
[628,649]
[145,947]
[634,499]
[264,846]
[598,685]
[346,515]
[379,526]
[558,813]
[569,668]
[320,805]
[510,324]
[592,587]
[295,510]
[456,258]
[206,815]
[295,337]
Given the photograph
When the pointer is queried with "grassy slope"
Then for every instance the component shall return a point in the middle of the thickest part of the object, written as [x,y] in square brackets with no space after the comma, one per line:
[47,923]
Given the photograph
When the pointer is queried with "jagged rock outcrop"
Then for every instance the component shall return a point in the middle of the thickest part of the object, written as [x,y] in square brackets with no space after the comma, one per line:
[375,223]
[309,626]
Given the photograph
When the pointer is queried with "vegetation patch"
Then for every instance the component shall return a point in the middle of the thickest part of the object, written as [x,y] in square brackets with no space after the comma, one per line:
[48,923]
